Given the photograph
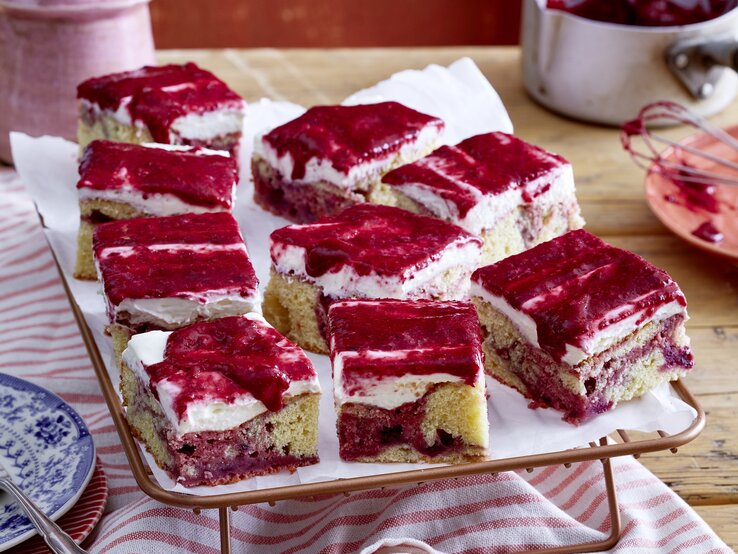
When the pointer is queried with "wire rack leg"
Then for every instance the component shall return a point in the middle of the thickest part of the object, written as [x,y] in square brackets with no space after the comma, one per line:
[225,530]
[615,523]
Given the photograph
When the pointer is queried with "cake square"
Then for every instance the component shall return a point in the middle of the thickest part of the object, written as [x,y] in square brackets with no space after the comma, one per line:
[125,181]
[332,157]
[170,104]
[579,325]
[408,381]
[512,194]
[167,272]
[221,400]
[367,251]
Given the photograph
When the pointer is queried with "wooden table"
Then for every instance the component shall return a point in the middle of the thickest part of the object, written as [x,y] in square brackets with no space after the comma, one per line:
[610,191]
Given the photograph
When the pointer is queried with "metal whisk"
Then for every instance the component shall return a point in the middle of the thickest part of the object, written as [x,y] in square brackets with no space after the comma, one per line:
[675,165]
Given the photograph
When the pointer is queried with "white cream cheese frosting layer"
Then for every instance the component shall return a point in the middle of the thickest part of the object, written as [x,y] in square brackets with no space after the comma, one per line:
[193,126]
[121,114]
[177,312]
[489,208]
[154,204]
[208,125]
[146,349]
[389,392]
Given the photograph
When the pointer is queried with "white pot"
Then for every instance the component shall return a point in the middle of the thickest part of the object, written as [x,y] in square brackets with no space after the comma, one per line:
[604,73]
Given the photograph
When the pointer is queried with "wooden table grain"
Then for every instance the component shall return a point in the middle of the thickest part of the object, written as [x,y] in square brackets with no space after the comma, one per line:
[610,191]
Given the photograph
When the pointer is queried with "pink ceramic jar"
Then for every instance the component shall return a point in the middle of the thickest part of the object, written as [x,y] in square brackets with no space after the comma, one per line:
[47,47]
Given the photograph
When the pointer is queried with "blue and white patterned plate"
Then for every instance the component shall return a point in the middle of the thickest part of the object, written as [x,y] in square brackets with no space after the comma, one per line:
[48,451]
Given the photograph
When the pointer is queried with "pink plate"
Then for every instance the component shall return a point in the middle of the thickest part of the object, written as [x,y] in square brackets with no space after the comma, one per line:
[79,521]
[684,208]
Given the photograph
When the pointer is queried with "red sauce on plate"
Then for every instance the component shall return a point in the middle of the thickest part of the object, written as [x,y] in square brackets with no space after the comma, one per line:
[708,232]
[694,196]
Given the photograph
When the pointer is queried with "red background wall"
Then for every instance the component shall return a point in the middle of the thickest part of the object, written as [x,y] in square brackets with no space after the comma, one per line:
[333,23]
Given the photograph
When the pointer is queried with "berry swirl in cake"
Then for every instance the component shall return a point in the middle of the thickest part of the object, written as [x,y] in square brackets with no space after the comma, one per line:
[332,157]
[579,325]
[222,400]
[408,381]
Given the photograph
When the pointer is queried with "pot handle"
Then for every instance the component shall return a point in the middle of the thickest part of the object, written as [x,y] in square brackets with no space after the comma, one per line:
[698,63]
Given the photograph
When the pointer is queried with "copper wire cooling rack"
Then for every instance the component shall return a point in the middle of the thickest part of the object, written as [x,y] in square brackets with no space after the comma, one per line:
[620,445]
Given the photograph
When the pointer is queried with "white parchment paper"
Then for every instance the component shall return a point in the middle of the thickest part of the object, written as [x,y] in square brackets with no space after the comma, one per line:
[469,105]
[458,94]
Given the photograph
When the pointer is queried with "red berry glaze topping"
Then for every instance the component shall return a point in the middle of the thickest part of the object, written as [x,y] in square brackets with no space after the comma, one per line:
[210,228]
[371,239]
[158,95]
[491,163]
[348,135]
[179,256]
[198,179]
[576,285]
[224,359]
[391,338]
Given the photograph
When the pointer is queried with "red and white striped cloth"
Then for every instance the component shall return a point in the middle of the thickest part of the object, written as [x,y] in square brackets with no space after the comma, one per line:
[504,513]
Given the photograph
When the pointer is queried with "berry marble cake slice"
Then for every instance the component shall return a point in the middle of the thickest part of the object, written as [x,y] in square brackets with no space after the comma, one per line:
[512,194]
[367,251]
[408,381]
[332,157]
[125,181]
[579,325]
[171,104]
[221,400]
[167,272]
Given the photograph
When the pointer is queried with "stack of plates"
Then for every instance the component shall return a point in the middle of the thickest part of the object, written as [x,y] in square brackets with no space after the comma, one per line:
[48,451]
